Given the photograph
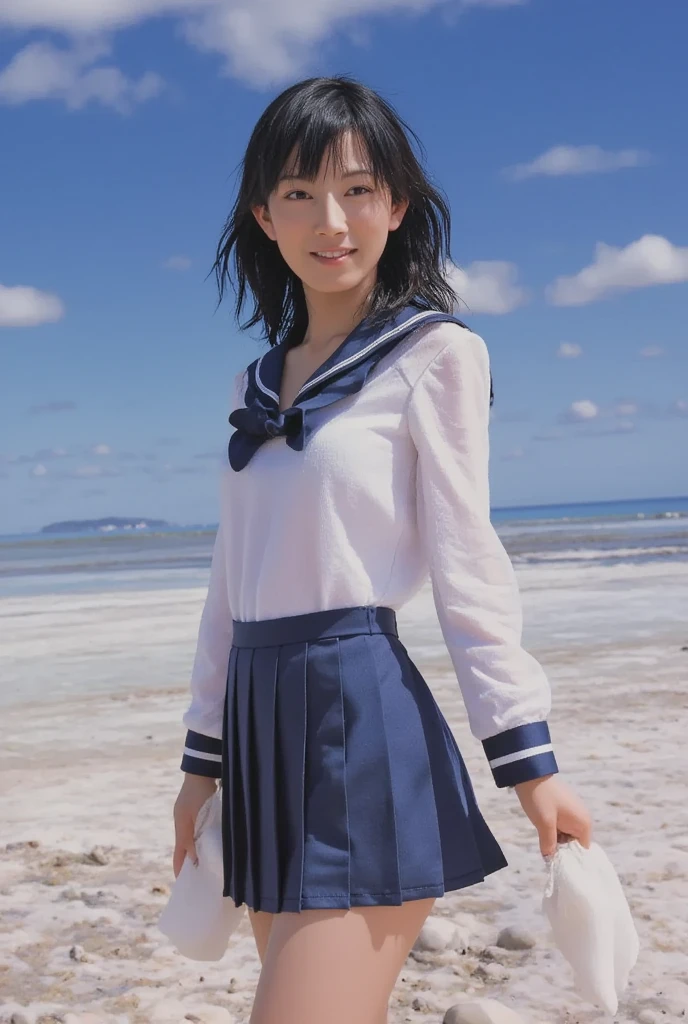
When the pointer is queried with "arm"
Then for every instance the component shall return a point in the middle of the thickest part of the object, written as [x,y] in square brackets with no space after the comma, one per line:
[505,690]
[203,717]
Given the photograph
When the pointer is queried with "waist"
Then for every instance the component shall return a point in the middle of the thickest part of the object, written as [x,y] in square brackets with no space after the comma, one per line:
[333,622]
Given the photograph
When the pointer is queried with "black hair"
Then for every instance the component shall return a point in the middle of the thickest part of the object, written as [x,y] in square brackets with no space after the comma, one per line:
[309,120]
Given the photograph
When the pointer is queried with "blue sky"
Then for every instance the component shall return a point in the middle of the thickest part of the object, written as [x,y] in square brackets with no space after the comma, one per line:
[555,128]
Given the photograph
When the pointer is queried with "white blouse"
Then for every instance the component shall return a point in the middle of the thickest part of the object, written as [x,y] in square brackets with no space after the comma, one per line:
[392,485]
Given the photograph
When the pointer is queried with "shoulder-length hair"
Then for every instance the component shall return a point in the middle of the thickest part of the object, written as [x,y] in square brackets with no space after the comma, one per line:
[302,125]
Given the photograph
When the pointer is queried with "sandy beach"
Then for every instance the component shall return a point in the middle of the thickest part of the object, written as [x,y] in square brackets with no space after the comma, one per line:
[94,687]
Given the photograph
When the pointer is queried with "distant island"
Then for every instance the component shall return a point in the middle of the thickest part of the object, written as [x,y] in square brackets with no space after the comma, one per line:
[104,525]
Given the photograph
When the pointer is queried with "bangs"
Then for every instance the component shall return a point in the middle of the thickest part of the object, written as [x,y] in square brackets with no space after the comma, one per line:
[310,133]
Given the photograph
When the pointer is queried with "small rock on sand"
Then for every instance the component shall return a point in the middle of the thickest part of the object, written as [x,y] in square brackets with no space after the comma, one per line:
[435,935]
[514,937]
[481,1011]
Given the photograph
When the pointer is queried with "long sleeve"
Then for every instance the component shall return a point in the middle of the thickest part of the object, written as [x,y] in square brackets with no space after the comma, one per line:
[505,689]
[203,717]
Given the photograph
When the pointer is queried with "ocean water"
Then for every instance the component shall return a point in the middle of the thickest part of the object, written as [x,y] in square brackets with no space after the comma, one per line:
[118,612]
[601,533]
[633,531]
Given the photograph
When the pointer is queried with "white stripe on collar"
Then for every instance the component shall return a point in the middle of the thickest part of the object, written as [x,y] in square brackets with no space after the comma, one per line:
[354,358]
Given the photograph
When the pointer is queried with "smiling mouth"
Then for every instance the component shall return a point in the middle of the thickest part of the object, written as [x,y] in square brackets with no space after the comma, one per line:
[333,255]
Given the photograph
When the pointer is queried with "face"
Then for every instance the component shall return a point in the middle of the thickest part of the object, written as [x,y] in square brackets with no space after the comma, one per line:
[340,210]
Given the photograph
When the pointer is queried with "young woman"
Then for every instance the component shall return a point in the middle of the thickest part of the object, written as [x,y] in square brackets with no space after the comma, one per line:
[358,465]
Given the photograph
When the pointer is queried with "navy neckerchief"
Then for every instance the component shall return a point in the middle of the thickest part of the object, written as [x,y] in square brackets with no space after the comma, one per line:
[343,373]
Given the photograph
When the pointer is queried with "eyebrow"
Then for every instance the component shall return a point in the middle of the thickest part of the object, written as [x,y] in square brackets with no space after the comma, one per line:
[347,174]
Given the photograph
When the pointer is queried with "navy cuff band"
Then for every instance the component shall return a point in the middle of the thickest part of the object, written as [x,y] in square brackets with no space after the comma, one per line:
[521,754]
[202,755]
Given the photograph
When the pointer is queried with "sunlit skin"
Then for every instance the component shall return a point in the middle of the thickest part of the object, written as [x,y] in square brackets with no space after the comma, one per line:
[340,209]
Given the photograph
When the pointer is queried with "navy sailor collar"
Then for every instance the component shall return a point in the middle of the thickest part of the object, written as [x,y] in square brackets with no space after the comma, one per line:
[343,373]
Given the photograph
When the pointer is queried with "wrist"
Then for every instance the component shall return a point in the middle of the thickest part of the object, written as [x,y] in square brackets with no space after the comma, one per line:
[530,784]
[208,782]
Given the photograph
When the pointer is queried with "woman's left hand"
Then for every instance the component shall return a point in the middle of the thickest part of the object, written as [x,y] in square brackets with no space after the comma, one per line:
[556,811]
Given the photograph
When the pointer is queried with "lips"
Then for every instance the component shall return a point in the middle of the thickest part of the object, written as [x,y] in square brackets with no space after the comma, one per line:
[338,255]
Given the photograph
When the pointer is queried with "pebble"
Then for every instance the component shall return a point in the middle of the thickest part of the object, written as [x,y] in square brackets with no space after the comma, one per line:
[18,1017]
[648,1017]
[494,973]
[97,856]
[481,1011]
[79,954]
[207,1014]
[436,935]
[514,937]
[83,1018]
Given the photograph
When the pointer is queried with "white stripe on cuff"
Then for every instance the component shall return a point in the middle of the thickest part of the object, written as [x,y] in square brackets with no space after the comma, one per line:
[201,754]
[519,755]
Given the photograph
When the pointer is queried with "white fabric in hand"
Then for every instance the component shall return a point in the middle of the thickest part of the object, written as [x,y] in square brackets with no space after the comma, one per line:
[197,919]
[591,922]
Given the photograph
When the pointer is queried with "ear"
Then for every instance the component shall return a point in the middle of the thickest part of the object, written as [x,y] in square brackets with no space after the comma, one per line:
[397,214]
[262,215]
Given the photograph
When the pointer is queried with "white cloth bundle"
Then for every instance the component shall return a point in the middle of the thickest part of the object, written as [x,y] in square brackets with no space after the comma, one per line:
[197,919]
[591,922]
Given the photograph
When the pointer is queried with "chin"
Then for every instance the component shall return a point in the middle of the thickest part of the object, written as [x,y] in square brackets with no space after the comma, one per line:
[330,281]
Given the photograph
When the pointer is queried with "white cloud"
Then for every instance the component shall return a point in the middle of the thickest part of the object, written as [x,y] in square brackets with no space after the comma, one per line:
[487,286]
[39,470]
[23,306]
[580,412]
[679,407]
[651,351]
[177,263]
[564,160]
[569,351]
[650,260]
[101,449]
[42,71]
[264,42]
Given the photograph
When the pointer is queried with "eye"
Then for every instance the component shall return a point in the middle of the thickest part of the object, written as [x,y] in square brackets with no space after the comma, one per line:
[361,186]
[299,190]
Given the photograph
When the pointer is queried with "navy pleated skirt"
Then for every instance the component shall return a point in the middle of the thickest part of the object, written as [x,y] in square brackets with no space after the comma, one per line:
[342,784]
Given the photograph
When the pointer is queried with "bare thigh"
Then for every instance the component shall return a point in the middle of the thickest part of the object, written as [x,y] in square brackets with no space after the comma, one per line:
[337,966]
[261,923]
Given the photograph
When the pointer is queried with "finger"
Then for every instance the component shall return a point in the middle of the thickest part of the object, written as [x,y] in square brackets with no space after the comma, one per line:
[178,860]
[183,849]
[548,838]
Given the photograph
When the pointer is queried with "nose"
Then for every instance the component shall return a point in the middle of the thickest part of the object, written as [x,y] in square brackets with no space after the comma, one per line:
[331,219]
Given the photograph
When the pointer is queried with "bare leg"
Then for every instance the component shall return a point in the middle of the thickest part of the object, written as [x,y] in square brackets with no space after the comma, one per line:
[338,966]
[261,922]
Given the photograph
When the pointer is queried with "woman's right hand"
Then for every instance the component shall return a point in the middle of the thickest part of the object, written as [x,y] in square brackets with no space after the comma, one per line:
[193,794]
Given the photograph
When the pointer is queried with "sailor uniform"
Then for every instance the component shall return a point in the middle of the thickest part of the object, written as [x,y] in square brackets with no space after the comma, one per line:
[342,782]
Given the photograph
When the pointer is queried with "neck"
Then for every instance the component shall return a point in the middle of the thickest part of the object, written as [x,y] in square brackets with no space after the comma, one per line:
[333,315]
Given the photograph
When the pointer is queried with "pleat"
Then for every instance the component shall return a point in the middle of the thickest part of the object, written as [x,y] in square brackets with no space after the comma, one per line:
[491,856]
[327,853]
[265,773]
[247,764]
[225,774]
[418,842]
[373,825]
[232,828]
[290,753]
[457,812]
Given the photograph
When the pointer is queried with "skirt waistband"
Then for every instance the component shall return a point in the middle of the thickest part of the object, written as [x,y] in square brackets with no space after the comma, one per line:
[291,629]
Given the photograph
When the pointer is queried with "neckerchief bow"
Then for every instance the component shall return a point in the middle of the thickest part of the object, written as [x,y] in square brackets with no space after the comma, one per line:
[343,373]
